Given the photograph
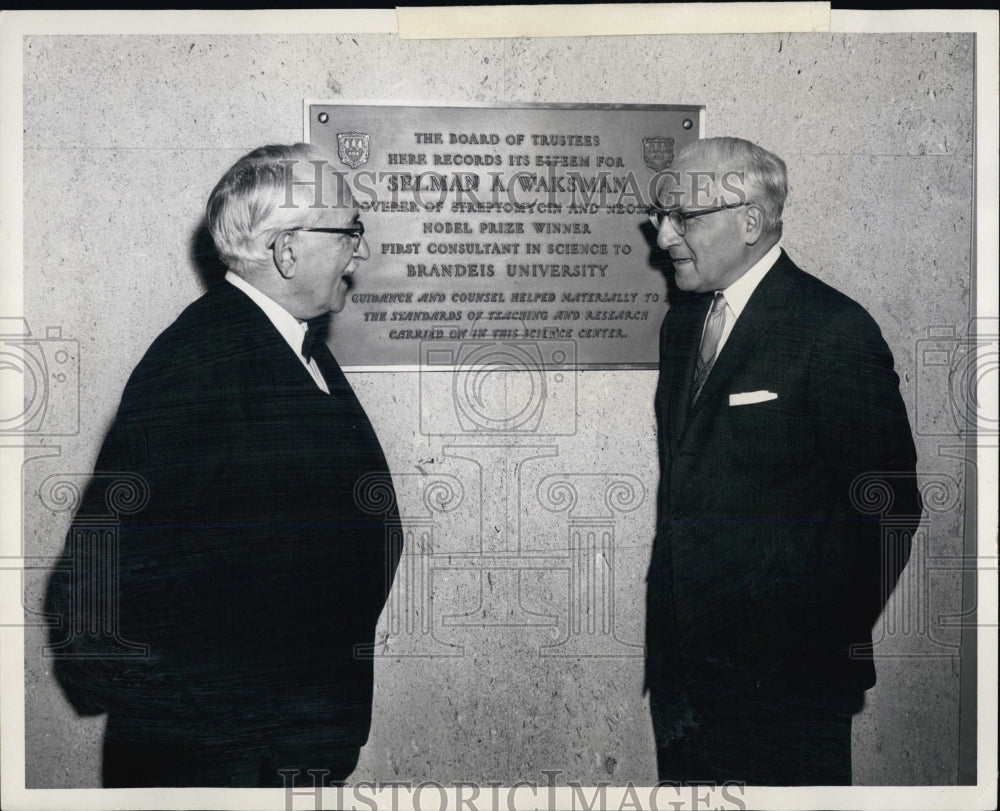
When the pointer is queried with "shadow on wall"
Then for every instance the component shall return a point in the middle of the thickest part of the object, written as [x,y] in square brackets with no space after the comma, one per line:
[204,257]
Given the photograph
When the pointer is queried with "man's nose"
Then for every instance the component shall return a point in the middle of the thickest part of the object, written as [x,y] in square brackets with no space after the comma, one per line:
[667,237]
[362,252]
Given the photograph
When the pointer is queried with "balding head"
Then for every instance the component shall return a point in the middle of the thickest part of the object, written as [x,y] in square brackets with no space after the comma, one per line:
[742,167]
[720,207]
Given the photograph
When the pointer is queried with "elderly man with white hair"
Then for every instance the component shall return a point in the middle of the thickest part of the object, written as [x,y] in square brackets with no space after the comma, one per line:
[253,577]
[778,414]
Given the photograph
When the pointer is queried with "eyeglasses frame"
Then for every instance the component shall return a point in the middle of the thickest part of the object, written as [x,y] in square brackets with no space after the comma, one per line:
[356,231]
[678,219]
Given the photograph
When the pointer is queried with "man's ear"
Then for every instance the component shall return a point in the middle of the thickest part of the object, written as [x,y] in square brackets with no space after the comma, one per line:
[284,254]
[754,223]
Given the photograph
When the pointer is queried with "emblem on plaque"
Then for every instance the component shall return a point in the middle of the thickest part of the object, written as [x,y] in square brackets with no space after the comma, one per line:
[658,152]
[353,148]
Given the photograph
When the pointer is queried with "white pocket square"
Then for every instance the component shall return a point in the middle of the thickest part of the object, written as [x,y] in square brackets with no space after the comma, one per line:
[751,397]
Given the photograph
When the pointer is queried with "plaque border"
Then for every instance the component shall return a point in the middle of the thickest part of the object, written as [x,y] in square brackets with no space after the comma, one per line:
[309,103]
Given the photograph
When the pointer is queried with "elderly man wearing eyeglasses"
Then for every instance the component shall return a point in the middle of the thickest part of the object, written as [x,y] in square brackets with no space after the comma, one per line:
[252,578]
[779,415]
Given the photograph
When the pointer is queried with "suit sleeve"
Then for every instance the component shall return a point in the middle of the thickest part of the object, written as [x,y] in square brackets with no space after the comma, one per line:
[866,448]
[89,658]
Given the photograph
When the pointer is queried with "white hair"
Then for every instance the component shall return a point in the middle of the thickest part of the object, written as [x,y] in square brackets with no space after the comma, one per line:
[763,175]
[249,206]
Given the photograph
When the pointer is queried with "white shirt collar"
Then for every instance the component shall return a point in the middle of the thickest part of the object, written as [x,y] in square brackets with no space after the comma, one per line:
[739,292]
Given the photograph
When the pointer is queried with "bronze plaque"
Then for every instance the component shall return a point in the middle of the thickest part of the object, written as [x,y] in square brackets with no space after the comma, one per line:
[514,232]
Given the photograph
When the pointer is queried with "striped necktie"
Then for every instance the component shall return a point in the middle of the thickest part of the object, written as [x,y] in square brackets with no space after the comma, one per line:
[709,343]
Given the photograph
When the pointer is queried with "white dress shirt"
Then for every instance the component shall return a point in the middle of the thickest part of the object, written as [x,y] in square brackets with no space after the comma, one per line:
[291,329]
[739,292]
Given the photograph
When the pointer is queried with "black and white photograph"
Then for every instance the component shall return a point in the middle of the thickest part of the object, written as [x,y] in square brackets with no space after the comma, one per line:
[553,407]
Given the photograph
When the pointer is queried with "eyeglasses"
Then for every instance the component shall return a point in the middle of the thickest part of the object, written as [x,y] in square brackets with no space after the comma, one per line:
[356,232]
[678,219]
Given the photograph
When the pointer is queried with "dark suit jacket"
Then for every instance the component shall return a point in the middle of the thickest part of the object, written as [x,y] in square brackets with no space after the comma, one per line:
[255,568]
[766,565]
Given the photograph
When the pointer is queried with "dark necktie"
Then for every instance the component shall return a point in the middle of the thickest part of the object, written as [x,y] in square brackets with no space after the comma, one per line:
[709,344]
[314,348]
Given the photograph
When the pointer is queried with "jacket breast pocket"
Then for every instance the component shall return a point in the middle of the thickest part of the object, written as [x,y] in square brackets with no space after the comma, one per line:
[771,435]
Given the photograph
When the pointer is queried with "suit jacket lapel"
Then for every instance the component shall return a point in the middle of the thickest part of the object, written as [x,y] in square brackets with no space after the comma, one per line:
[249,333]
[683,341]
[770,297]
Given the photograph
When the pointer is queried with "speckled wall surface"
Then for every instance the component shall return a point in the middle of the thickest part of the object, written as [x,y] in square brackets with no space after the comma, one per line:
[124,138]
